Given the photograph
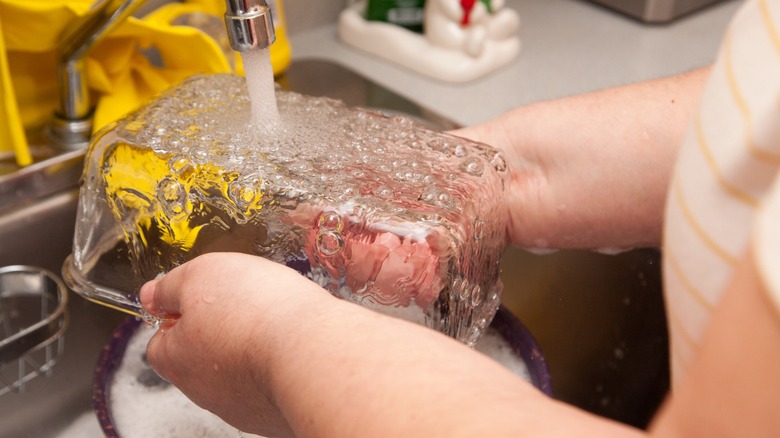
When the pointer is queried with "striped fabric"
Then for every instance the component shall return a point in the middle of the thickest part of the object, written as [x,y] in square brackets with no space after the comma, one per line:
[725,172]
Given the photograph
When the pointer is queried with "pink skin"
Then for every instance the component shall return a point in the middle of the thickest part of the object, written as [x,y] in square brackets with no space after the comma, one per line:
[197,349]
[388,269]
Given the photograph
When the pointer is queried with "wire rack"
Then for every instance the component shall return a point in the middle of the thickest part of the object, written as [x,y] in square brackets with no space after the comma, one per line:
[33,319]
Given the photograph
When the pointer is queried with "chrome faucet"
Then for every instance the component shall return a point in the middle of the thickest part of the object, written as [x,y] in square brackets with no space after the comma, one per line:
[249,27]
[71,127]
[249,24]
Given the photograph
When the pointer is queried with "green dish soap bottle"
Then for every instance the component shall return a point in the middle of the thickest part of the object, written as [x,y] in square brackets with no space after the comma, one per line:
[404,13]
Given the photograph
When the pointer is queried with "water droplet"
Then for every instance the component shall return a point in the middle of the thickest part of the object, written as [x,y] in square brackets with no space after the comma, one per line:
[172,196]
[349,191]
[384,192]
[479,228]
[244,192]
[151,320]
[429,196]
[472,166]
[498,162]
[465,290]
[179,164]
[329,243]
[476,295]
[457,285]
[331,221]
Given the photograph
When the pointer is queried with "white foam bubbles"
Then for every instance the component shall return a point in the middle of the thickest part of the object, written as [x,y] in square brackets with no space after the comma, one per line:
[160,410]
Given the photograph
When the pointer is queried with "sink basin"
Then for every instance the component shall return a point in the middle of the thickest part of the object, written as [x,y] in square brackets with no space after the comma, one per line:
[597,318]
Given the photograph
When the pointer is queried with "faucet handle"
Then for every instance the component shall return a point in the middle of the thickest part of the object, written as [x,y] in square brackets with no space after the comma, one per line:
[71,127]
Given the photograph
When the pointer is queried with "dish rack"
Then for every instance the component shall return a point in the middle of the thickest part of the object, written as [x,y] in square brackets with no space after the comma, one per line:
[33,319]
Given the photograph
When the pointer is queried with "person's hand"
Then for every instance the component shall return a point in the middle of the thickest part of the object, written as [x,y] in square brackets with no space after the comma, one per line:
[273,354]
[592,171]
[225,313]
[526,188]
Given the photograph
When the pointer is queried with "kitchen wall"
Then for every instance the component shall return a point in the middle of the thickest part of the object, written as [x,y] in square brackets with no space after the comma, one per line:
[304,15]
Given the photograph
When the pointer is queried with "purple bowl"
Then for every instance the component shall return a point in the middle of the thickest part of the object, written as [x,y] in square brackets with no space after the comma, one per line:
[505,324]
[525,347]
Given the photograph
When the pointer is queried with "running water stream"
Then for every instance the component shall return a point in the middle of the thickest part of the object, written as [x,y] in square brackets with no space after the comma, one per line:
[261,87]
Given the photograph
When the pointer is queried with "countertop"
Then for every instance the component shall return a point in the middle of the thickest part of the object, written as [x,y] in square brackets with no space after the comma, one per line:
[568,47]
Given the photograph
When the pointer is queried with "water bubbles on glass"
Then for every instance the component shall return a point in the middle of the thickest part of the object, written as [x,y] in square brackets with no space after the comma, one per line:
[423,207]
[329,243]
[476,295]
[173,197]
[472,166]
[457,286]
[245,193]
[479,228]
[498,162]
[179,164]
[331,221]
[465,290]
[349,191]
[384,192]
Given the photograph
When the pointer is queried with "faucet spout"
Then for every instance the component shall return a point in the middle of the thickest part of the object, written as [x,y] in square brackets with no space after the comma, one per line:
[249,24]
[72,124]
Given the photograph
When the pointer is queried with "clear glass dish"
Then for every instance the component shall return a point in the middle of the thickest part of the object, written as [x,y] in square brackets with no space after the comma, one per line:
[378,210]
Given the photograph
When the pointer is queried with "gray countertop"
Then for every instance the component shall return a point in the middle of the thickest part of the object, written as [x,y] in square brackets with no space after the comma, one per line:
[568,47]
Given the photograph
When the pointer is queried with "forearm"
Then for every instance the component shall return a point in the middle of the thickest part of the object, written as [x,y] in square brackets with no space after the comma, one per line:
[369,375]
[733,386]
[592,171]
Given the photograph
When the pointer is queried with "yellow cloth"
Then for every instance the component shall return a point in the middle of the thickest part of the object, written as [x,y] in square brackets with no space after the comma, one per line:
[120,76]
[11,132]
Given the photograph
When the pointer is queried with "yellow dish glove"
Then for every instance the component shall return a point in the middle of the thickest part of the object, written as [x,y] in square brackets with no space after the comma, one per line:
[11,131]
[121,75]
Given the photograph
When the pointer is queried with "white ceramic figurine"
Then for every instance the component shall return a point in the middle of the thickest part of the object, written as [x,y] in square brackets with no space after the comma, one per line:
[469,25]
[462,40]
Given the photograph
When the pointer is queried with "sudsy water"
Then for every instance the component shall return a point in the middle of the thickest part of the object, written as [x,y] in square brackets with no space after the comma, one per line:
[144,405]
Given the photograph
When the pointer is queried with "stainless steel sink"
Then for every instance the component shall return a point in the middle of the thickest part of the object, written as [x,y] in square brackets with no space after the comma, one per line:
[598,318]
